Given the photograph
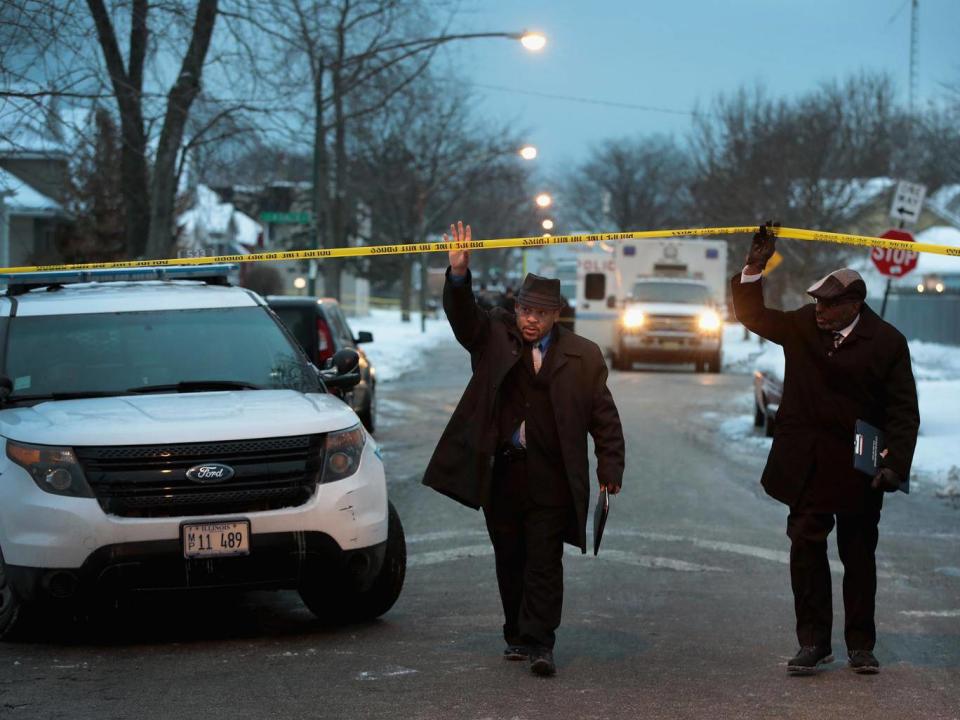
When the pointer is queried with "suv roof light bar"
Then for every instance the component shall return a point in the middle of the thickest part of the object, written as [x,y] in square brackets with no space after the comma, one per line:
[19,283]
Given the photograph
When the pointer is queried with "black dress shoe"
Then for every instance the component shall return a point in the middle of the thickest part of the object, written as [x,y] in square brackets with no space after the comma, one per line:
[515,652]
[541,662]
[808,659]
[863,662]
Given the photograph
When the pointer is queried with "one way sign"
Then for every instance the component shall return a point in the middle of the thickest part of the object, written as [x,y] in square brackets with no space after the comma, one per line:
[907,201]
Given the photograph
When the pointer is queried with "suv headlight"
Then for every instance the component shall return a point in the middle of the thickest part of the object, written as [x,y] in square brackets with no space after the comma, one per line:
[634,318]
[709,321]
[342,451]
[54,469]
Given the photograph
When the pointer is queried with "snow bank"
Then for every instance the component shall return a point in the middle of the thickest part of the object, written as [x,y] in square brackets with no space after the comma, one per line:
[398,346]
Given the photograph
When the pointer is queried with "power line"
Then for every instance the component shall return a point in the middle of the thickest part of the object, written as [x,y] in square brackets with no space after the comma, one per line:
[586,101]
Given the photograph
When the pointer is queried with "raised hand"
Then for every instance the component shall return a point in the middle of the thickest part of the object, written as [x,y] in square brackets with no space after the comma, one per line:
[763,246]
[459,259]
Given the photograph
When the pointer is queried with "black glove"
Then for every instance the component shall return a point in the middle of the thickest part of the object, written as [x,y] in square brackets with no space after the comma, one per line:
[886,480]
[763,246]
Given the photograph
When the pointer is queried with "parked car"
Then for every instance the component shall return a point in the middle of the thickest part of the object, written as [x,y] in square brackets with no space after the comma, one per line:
[767,393]
[160,429]
[320,327]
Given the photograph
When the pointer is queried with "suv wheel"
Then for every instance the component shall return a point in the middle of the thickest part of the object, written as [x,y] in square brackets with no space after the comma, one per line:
[9,603]
[381,595]
[713,362]
[368,414]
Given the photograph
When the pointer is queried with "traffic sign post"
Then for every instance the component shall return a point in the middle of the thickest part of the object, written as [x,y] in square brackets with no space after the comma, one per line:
[893,263]
[907,202]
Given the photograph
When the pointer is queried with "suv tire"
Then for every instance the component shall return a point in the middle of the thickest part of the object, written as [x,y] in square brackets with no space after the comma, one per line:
[10,604]
[382,594]
[367,414]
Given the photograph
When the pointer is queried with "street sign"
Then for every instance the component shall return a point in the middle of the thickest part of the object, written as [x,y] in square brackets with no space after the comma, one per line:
[894,263]
[286,218]
[907,201]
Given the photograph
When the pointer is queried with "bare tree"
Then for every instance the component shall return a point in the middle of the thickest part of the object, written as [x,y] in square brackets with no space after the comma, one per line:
[806,162]
[423,161]
[630,184]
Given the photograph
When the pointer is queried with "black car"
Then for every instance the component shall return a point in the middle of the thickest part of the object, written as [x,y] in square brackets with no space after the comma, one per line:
[320,327]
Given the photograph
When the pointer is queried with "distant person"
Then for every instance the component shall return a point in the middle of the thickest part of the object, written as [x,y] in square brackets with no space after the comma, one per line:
[516,446]
[843,364]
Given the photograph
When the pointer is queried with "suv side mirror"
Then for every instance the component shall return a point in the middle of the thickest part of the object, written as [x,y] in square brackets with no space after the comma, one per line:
[612,301]
[6,388]
[346,360]
[364,337]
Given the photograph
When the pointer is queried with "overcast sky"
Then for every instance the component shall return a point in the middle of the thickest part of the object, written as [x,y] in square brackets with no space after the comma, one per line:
[672,54]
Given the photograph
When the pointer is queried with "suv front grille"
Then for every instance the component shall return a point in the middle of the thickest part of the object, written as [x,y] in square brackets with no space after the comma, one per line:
[671,323]
[151,480]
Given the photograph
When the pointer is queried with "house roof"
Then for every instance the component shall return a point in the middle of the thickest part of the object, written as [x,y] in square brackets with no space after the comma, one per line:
[21,199]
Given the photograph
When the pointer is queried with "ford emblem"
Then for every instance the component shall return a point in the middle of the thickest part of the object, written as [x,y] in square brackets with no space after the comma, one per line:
[210,473]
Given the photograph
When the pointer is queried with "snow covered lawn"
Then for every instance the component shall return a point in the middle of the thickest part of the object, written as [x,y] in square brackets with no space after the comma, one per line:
[398,346]
[937,370]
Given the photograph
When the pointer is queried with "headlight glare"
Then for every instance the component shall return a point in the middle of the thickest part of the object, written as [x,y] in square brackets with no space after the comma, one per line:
[54,469]
[634,318]
[709,321]
[342,453]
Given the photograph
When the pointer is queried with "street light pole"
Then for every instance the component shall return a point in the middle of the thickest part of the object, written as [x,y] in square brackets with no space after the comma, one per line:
[4,229]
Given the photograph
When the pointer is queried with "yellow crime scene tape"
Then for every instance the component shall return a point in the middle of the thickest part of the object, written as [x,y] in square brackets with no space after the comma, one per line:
[539,241]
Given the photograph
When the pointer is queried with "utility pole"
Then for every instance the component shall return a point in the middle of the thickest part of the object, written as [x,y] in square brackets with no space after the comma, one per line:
[914,35]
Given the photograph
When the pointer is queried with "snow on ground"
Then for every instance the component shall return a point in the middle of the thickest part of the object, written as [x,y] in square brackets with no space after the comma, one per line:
[937,371]
[398,346]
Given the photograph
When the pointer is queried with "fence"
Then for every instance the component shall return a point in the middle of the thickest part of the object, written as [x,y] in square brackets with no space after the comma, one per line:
[933,318]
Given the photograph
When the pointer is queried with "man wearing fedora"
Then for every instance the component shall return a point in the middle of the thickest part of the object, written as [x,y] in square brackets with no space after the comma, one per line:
[843,364]
[516,445]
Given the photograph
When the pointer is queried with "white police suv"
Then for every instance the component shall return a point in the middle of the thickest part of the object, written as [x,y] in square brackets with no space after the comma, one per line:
[160,429]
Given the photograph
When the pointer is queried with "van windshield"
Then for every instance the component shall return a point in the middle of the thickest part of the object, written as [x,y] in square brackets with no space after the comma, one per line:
[119,353]
[671,292]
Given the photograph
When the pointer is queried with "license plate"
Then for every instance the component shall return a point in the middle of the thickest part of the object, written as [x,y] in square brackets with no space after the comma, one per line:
[670,345]
[216,539]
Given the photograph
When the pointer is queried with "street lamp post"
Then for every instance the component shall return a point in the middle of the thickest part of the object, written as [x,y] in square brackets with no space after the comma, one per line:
[4,228]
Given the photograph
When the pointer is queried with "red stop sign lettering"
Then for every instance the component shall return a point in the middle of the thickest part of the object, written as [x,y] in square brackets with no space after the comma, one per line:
[894,263]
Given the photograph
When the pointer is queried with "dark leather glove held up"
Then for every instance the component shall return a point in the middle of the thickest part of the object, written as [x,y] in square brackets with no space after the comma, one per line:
[763,245]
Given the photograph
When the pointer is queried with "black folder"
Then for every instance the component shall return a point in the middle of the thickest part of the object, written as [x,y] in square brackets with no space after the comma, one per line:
[600,518]
[868,443]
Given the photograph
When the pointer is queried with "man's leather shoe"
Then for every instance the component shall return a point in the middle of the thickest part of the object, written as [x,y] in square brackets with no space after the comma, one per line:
[863,662]
[516,652]
[541,662]
[808,659]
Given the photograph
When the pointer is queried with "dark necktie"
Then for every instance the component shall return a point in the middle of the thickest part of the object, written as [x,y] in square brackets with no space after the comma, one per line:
[837,339]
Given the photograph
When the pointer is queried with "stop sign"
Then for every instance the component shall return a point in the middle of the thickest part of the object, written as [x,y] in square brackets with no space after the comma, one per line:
[894,263]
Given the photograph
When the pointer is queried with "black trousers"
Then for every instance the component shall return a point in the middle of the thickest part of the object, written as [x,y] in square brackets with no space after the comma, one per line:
[528,546]
[857,536]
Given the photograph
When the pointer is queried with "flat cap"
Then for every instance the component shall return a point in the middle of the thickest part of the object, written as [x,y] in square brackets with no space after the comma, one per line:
[842,283]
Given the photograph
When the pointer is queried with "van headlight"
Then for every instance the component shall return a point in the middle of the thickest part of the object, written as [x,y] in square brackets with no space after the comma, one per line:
[709,321]
[342,451]
[54,469]
[634,318]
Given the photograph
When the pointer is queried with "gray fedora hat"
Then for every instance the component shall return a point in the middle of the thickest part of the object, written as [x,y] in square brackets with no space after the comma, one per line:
[540,292]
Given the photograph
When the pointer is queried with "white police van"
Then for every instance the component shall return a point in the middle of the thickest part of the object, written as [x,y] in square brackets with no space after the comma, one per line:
[160,429]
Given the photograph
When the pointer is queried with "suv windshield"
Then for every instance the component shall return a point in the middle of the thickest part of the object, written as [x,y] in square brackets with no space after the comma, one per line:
[671,292]
[117,353]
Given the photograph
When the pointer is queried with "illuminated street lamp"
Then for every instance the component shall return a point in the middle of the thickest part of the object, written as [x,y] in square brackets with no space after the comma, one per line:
[544,200]
[528,152]
[547,224]
[300,283]
[533,41]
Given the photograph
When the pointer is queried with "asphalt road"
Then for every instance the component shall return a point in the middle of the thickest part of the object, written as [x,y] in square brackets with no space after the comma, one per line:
[687,612]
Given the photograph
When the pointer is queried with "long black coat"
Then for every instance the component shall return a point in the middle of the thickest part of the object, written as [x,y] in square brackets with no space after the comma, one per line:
[825,391]
[461,464]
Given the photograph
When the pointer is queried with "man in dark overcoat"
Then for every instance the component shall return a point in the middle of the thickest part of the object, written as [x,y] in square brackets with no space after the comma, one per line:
[516,446]
[843,364]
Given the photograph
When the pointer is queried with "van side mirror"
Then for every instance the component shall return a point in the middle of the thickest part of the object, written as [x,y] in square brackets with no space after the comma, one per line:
[363,337]
[612,301]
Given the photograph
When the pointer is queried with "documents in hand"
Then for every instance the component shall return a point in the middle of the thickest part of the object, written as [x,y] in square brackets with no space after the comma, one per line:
[868,443]
[600,518]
